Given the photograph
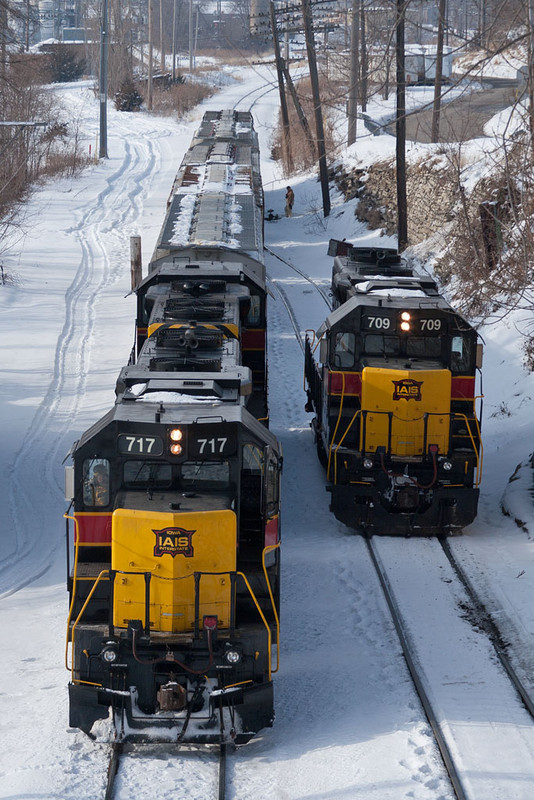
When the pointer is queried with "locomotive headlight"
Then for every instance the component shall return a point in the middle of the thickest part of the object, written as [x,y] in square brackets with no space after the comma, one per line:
[176,435]
[109,654]
[368,463]
[447,466]
[232,656]
[405,321]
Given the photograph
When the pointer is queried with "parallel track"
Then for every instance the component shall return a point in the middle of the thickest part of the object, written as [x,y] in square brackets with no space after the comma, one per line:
[464,787]
[416,678]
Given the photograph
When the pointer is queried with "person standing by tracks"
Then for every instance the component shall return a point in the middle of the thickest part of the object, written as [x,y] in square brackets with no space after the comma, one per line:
[290,199]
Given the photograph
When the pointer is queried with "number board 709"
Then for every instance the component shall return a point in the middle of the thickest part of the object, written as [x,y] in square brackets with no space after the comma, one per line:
[419,322]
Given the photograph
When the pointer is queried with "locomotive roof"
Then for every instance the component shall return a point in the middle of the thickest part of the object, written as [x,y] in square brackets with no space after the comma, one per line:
[385,300]
[174,413]
[186,267]
[217,196]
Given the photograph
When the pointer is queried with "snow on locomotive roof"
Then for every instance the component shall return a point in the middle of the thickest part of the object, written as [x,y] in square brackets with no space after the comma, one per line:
[178,398]
[217,196]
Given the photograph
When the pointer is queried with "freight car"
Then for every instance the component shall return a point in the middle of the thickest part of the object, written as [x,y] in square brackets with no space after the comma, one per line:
[390,376]
[173,530]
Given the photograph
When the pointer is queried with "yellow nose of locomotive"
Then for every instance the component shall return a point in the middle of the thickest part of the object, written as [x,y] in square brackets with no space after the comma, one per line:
[169,550]
[405,409]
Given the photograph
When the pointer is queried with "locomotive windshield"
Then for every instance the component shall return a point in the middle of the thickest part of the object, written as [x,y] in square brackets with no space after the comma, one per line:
[455,352]
[142,474]
[203,475]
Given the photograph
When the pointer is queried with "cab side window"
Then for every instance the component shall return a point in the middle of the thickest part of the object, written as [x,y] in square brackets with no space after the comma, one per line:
[461,357]
[254,313]
[273,485]
[96,484]
[344,348]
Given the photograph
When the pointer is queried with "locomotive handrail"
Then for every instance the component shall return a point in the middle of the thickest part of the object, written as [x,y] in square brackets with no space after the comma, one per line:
[356,414]
[104,572]
[334,447]
[479,456]
[262,615]
[269,549]
[337,426]
[196,576]
[306,332]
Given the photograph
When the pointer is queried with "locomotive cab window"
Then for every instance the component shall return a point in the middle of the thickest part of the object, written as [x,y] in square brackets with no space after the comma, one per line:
[461,354]
[204,475]
[423,346]
[344,349]
[376,344]
[252,459]
[147,474]
[254,312]
[96,482]
[272,489]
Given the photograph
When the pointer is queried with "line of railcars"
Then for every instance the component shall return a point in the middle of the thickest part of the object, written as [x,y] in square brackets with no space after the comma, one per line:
[173,529]
[391,377]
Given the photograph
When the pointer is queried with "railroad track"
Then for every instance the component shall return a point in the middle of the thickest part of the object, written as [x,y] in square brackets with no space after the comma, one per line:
[324,294]
[215,786]
[481,715]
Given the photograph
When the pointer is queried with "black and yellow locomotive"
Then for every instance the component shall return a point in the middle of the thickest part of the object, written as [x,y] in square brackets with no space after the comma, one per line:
[390,375]
[173,529]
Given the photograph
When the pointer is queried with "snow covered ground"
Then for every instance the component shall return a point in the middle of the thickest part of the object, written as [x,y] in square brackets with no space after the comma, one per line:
[348,723]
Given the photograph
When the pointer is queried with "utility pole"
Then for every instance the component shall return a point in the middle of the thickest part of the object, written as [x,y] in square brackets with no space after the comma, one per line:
[161,45]
[439,73]
[150,55]
[190,35]
[352,104]
[103,148]
[312,64]
[400,125]
[530,77]
[174,12]
[27,27]
[286,136]
[363,58]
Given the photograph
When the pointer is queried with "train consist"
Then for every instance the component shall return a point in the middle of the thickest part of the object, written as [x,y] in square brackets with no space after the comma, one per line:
[173,529]
[390,376]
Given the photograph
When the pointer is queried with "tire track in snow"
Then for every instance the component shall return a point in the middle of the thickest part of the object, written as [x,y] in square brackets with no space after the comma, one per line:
[99,231]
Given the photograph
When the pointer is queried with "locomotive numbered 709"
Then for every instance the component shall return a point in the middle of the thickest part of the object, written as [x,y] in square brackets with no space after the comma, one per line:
[390,375]
[173,527]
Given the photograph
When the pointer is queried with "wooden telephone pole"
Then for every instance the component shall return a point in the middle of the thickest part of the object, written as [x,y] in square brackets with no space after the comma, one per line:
[312,64]
[402,211]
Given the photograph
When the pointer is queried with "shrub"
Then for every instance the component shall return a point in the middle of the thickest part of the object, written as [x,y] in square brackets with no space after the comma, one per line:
[128,97]
[65,64]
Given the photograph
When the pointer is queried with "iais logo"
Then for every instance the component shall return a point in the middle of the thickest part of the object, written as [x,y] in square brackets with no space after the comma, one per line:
[407,389]
[173,541]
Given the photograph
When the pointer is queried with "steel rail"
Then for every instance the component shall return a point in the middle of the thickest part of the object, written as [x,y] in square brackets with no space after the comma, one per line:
[489,627]
[324,294]
[118,749]
[416,678]
[222,772]
[291,314]
[113,766]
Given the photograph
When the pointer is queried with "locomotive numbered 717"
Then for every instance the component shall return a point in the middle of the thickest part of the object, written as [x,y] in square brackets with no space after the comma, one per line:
[390,375]
[174,493]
